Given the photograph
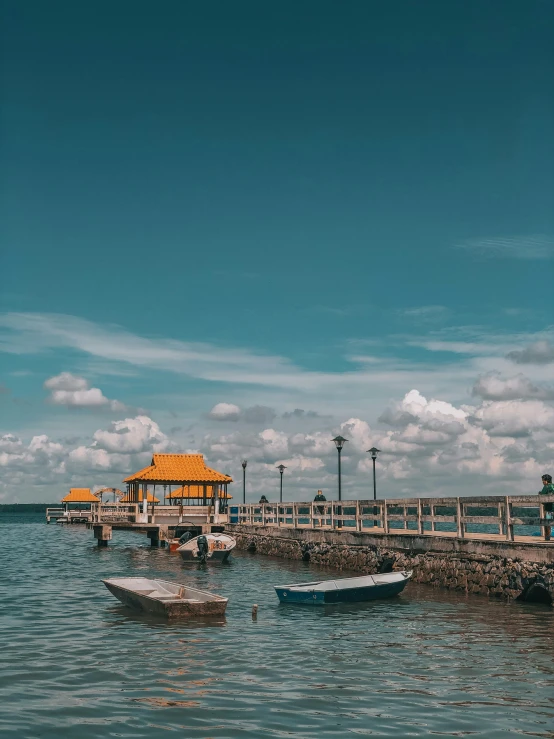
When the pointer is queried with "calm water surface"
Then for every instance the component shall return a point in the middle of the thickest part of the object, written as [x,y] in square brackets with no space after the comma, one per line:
[430,663]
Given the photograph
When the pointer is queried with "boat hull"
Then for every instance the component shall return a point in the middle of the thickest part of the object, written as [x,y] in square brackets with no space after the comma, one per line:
[353,595]
[319,596]
[169,608]
[219,549]
[217,556]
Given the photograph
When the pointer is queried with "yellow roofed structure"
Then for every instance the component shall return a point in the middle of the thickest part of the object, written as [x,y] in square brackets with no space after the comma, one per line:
[178,468]
[193,491]
[80,495]
[197,482]
[149,498]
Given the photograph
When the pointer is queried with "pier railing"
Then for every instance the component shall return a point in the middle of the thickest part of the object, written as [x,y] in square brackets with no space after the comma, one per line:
[61,514]
[132,513]
[52,514]
[468,517]
[115,513]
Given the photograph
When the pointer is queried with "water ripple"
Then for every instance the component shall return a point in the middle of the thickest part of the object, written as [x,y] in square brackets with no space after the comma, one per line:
[431,663]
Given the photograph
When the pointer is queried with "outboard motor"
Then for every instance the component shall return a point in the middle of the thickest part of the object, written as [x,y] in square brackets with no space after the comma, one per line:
[203,548]
[185,537]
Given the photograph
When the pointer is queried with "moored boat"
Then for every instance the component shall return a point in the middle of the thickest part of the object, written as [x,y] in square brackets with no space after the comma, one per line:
[164,598]
[208,548]
[346,590]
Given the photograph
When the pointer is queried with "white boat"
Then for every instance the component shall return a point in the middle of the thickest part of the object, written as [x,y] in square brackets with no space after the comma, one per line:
[208,548]
[165,598]
[346,590]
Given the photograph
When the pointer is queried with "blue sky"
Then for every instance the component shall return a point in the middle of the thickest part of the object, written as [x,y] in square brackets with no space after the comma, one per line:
[282,206]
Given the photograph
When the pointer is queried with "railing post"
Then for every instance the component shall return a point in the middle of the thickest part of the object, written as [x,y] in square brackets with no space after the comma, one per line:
[420,529]
[508,519]
[385,517]
[358,517]
[332,515]
[460,528]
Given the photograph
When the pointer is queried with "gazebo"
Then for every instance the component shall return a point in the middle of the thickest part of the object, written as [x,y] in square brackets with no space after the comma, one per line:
[199,484]
[79,497]
[196,495]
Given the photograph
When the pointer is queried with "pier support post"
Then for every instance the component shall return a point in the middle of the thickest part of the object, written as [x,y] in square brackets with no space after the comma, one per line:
[102,534]
[158,536]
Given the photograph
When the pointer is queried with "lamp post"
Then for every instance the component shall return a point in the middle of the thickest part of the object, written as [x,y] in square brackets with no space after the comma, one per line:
[339,443]
[244,463]
[374,452]
[281,469]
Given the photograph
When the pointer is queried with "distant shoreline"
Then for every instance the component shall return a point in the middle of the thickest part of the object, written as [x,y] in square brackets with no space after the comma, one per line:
[26,507]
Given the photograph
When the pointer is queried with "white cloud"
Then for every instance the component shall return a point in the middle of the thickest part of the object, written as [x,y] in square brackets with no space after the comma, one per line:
[513,418]
[275,443]
[434,448]
[132,436]
[286,385]
[358,434]
[73,391]
[66,382]
[415,406]
[256,414]
[225,412]
[431,441]
[83,460]
[494,387]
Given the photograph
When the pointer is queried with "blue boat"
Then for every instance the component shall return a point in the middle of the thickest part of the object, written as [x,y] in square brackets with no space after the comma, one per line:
[347,590]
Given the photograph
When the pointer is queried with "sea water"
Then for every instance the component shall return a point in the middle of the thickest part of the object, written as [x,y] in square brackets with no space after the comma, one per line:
[76,663]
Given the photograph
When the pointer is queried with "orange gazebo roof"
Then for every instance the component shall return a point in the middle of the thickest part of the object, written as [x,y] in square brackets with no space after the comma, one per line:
[80,495]
[178,468]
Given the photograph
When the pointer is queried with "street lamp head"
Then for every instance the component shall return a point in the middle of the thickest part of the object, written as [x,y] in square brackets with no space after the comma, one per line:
[339,442]
[244,463]
[374,452]
[281,468]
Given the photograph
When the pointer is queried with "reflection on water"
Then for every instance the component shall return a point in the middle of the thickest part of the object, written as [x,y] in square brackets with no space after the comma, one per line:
[429,663]
[119,615]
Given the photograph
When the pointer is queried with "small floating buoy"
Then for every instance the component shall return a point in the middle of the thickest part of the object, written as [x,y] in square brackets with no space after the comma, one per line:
[254,611]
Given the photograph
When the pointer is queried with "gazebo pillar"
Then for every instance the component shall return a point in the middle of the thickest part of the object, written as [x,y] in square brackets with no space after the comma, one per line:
[216,502]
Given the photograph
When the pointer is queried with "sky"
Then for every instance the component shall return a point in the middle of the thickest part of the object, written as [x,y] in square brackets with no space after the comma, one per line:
[243,228]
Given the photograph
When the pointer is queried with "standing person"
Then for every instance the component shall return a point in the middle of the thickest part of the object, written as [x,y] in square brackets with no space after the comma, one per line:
[548,489]
[318,499]
[263,500]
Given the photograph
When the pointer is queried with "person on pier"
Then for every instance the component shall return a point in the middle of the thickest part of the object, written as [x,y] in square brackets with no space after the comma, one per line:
[319,498]
[548,489]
